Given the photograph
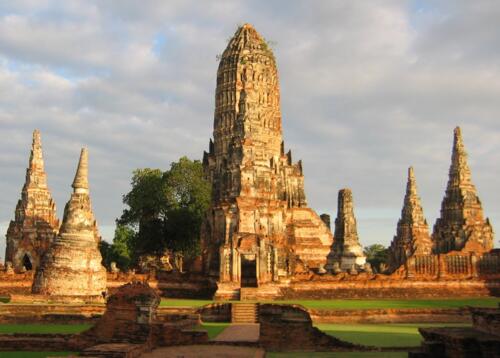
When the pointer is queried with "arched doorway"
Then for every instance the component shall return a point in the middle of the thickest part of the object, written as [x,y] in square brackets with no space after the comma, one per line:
[248,271]
[27,263]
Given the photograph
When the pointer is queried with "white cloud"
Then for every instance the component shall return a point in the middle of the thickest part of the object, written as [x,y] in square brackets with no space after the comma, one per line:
[367,90]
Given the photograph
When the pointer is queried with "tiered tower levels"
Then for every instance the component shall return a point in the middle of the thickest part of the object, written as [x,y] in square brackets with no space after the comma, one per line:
[72,265]
[346,249]
[259,211]
[412,236]
[461,226]
[35,223]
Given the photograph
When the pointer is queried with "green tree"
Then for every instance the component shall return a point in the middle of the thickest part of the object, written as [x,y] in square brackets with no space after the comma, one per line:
[121,250]
[165,209]
[376,254]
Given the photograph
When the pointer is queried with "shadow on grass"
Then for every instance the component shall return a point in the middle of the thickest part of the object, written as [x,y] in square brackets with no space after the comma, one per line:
[213,329]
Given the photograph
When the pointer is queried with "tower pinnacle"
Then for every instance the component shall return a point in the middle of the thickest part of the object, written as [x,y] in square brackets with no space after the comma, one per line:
[412,236]
[81,182]
[461,225]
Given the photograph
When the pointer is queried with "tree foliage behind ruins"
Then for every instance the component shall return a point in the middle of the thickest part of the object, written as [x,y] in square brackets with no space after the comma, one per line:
[163,212]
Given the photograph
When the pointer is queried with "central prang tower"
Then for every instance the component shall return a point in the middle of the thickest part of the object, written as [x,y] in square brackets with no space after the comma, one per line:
[258,228]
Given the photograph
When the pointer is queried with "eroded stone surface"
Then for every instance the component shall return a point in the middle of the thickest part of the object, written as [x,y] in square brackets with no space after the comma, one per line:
[35,223]
[346,249]
[129,315]
[461,225]
[259,228]
[412,236]
[72,265]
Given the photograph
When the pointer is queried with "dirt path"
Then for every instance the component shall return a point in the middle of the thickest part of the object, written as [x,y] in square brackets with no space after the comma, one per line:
[205,351]
[239,333]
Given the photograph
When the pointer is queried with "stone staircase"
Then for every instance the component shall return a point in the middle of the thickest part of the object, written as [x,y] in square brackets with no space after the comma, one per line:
[245,313]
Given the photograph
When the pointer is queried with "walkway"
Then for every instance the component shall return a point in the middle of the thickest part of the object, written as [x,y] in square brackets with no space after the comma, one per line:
[200,351]
[241,332]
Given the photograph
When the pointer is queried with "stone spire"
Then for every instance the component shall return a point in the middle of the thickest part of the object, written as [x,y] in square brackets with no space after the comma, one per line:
[461,225]
[346,249]
[81,182]
[258,198]
[72,265]
[35,223]
[412,235]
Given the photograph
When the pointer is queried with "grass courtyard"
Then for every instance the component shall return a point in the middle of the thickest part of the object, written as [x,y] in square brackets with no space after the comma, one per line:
[359,304]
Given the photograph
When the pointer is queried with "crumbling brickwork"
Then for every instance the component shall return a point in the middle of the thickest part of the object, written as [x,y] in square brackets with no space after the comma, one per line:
[346,249]
[258,228]
[461,226]
[35,223]
[412,236]
[72,265]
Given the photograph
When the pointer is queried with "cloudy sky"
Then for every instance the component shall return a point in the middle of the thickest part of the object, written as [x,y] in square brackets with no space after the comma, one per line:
[368,88]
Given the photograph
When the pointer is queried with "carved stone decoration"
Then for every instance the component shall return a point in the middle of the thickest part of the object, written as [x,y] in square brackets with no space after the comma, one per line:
[72,265]
[258,208]
[114,268]
[346,249]
[412,236]
[35,223]
[461,226]
[8,268]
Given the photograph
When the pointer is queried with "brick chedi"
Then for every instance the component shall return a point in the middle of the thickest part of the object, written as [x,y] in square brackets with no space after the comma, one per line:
[35,224]
[346,249]
[259,227]
[461,226]
[412,235]
[72,265]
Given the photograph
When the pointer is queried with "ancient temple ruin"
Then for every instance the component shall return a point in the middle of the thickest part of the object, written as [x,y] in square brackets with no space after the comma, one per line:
[461,226]
[72,265]
[258,228]
[346,250]
[412,235]
[35,223]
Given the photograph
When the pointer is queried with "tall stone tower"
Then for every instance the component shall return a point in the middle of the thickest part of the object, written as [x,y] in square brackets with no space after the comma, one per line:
[259,227]
[346,249]
[35,223]
[72,265]
[412,236]
[462,225]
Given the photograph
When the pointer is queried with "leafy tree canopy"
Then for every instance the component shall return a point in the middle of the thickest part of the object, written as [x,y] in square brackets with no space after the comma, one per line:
[376,254]
[165,209]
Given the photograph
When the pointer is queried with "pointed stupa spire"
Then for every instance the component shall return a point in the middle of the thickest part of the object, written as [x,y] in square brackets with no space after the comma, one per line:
[459,170]
[35,174]
[35,220]
[72,264]
[412,234]
[411,186]
[461,224]
[346,248]
[81,182]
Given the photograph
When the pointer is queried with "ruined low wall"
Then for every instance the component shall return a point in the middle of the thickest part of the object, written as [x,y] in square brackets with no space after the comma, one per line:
[75,314]
[170,284]
[325,288]
[414,315]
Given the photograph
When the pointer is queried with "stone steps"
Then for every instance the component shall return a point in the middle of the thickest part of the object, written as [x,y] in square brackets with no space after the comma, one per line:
[245,313]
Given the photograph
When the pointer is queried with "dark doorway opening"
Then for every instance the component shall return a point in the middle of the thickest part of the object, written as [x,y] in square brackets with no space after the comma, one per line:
[27,263]
[248,271]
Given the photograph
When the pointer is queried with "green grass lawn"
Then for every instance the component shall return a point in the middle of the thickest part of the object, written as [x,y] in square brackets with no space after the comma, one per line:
[42,328]
[213,329]
[381,335]
[361,304]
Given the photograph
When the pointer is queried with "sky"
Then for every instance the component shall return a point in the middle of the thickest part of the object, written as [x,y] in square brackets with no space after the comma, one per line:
[368,88]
